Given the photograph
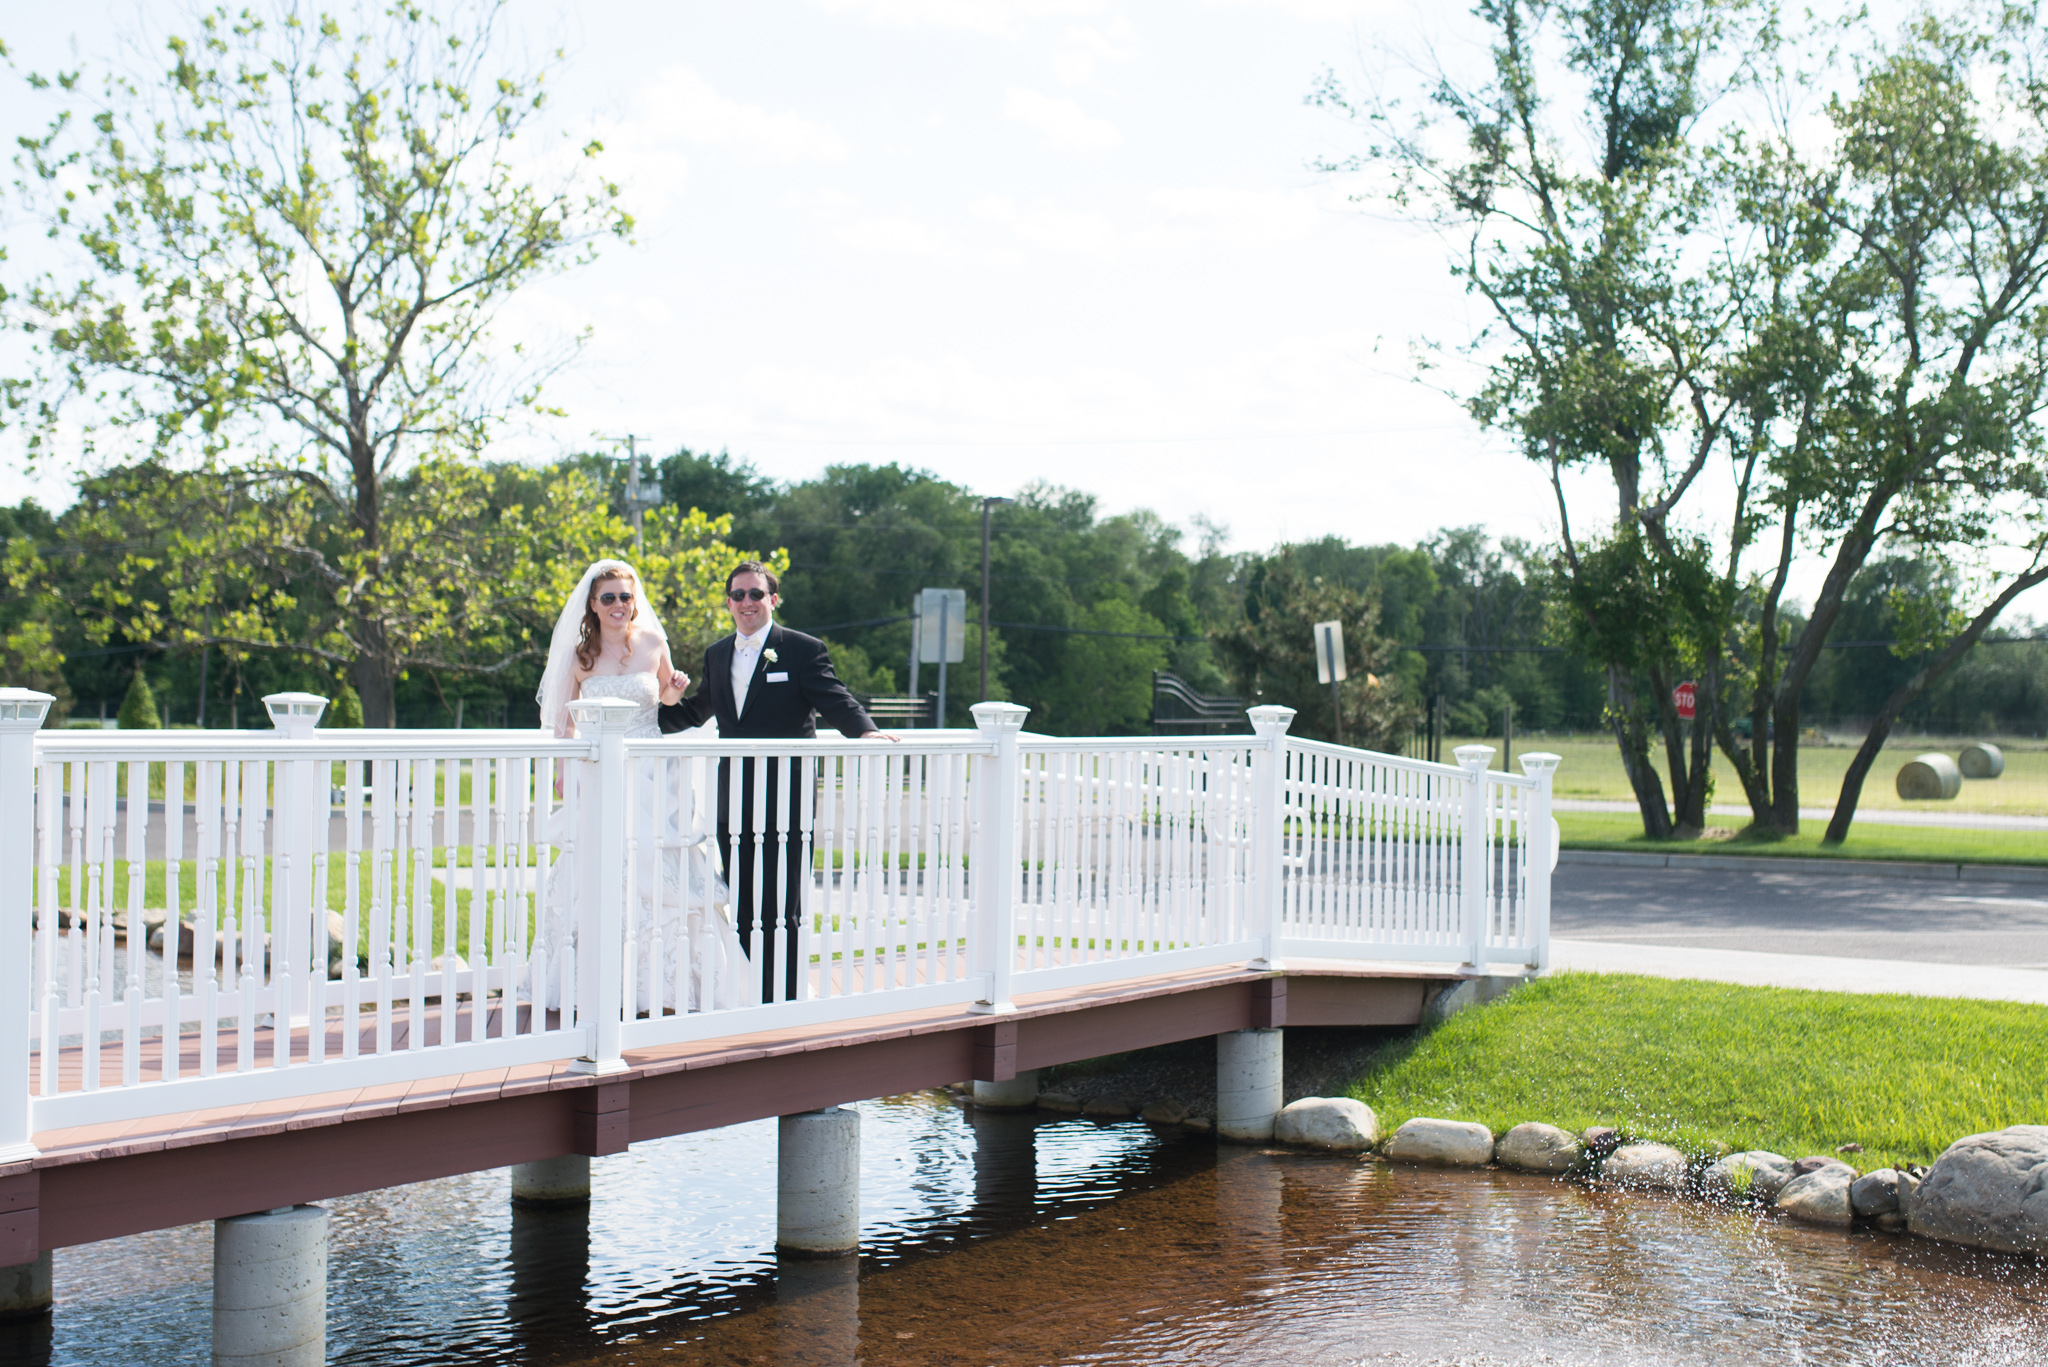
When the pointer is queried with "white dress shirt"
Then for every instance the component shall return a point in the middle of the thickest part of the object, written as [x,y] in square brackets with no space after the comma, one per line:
[746,652]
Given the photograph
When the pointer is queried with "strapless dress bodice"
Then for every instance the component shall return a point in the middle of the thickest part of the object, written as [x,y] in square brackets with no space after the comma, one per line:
[642,690]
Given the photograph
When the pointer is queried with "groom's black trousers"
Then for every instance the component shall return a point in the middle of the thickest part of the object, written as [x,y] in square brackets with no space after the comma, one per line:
[760,843]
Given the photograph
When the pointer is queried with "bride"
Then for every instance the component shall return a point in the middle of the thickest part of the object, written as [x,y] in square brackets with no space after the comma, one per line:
[608,643]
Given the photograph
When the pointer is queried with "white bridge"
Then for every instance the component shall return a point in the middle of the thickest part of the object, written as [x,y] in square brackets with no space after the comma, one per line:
[348,909]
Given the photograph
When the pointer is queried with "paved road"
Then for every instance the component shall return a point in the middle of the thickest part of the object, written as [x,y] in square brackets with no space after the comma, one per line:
[1876,816]
[1836,915]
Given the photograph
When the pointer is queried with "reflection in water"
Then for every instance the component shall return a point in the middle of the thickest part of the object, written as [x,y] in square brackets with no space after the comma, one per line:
[1013,1240]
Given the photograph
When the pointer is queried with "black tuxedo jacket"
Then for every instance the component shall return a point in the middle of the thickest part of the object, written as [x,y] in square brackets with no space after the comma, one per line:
[782,699]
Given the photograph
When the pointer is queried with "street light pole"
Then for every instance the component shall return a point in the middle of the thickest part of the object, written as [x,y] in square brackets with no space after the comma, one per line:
[634,500]
[986,504]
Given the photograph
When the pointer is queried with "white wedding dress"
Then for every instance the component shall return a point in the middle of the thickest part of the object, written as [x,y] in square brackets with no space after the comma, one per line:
[686,954]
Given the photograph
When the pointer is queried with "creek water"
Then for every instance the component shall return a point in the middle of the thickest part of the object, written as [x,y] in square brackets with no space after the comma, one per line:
[1020,1239]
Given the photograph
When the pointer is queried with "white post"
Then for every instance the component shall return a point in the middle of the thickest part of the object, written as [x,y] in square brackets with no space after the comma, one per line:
[21,714]
[1474,759]
[563,1181]
[1020,1093]
[817,1183]
[601,883]
[1543,842]
[270,1288]
[1249,1074]
[1269,835]
[995,856]
[299,833]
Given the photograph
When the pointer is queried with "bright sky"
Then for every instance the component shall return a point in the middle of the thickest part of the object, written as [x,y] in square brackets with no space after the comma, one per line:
[1004,240]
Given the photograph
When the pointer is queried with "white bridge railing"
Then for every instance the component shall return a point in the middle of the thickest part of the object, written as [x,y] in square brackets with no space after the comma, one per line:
[194,919]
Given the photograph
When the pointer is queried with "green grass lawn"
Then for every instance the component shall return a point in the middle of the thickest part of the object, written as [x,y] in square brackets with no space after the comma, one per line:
[1592,769]
[1701,1065]
[1623,831]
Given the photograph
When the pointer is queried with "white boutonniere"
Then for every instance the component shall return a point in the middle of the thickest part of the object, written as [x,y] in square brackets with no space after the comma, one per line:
[770,656]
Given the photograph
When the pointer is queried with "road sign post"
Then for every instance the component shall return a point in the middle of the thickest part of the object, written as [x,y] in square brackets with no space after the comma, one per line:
[942,633]
[1330,667]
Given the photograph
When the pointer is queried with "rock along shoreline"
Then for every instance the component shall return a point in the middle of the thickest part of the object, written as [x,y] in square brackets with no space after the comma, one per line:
[1985,1191]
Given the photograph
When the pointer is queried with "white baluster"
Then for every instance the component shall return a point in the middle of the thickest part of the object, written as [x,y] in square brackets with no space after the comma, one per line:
[21,715]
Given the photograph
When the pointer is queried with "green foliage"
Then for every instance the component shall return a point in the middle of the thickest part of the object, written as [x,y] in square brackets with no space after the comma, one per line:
[346,711]
[138,708]
[1701,1065]
[1271,656]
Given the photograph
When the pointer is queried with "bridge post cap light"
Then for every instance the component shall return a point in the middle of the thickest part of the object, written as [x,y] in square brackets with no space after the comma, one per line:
[1270,719]
[606,714]
[999,716]
[23,709]
[294,714]
[1538,762]
[1473,756]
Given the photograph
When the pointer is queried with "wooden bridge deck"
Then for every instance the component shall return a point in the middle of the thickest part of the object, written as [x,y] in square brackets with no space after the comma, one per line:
[102,1181]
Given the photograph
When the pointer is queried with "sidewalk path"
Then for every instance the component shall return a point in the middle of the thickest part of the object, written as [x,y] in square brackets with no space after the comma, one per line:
[1752,969]
[1986,821]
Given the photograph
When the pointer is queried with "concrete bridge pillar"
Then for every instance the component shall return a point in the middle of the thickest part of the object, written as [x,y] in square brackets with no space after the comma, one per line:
[1248,1084]
[270,1288]
[1020,1093]
[25,1289]
[817,1184]
[563,1181]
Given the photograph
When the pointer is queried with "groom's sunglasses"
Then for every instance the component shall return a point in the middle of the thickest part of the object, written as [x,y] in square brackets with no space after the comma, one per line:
[625,599]
[743,595]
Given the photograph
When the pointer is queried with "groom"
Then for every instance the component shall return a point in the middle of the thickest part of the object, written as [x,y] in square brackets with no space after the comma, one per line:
[766,682]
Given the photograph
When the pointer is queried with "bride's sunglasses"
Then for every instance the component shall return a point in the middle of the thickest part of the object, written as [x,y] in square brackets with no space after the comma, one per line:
[744,595]
[623,599]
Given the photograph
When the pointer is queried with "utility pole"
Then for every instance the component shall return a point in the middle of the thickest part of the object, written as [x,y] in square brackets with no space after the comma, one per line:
[986,504]
[637,502]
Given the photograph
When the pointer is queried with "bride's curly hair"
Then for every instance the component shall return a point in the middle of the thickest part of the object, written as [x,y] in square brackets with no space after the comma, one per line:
[590,639]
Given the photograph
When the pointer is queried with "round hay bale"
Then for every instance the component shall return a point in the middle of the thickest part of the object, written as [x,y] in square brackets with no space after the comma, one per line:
[1981,761]
[1929,778]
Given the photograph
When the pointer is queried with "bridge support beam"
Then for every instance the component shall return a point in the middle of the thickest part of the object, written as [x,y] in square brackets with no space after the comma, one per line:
[1248,1085]
[563,1181]
[817,1184]
[1017,1094]
[25,1289]
[270,1288]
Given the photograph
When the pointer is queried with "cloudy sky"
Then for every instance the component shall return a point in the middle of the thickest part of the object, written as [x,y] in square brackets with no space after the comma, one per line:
[1004,240]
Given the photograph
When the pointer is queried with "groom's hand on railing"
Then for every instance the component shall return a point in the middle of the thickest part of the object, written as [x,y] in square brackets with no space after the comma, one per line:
[879,735]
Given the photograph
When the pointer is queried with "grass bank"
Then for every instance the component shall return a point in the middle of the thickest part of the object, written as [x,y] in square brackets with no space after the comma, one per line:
[1623,832]
[1705,1064]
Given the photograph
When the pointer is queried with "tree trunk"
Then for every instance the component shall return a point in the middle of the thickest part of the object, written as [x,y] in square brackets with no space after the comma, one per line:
[1785,763]
[1634,743]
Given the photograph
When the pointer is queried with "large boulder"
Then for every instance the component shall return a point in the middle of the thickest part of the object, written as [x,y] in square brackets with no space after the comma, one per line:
[1646,1167]
[1875,1193]
[1820,1197]
[1536,1147]
[1337,1123]
[1447,1143]
[1988,1191]
[1752,1175]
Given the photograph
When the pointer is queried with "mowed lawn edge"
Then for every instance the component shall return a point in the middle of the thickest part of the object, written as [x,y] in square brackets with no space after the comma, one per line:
[1622,833]
[1705,1065]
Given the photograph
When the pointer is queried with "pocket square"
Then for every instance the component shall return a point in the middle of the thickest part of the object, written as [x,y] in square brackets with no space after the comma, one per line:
[780,676]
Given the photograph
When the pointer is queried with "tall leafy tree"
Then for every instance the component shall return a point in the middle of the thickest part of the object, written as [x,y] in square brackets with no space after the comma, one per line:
[289,245]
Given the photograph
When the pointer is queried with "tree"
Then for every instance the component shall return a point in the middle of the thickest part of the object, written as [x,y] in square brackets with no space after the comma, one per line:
[1608,319]
[138,708]
[291,246]
[1271,656]
[1904,410]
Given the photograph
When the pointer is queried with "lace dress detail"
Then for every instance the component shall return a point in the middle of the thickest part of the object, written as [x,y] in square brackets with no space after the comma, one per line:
[643,690]
[681,919]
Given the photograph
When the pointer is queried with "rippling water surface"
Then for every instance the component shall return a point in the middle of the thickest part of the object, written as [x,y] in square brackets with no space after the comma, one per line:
[997,1239]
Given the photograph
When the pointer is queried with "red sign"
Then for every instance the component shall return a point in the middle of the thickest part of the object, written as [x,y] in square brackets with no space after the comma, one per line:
[1686,696]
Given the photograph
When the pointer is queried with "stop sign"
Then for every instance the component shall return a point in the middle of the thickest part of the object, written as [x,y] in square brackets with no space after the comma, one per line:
[1686,696]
